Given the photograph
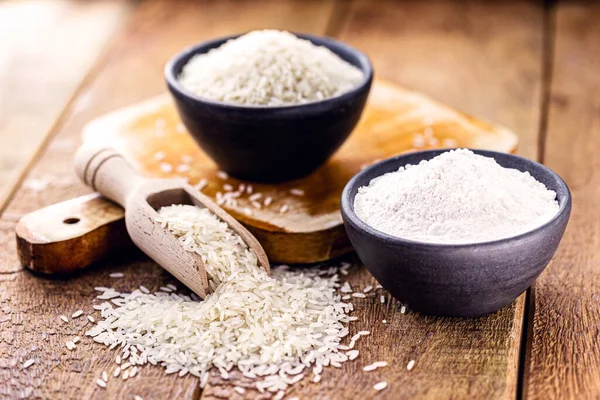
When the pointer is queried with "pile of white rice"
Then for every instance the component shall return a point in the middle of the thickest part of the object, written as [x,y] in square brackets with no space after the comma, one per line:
[271,327]
[269,68]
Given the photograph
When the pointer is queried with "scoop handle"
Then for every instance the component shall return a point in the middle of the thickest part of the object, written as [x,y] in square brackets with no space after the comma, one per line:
[106,171]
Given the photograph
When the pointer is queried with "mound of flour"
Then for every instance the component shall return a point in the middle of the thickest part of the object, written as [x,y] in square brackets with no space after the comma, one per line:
[456,197]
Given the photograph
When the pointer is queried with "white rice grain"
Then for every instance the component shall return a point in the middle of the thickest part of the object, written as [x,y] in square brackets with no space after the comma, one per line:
[269,68]
[166,167]
[239,390]
[223,175]
[269,327]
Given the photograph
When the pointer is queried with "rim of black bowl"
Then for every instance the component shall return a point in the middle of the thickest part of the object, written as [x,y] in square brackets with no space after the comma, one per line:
[348,206]
[175,64]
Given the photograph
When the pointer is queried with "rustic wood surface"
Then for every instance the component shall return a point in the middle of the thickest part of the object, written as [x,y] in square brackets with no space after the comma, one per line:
[131,71]
[65,37]
[71,235]
[480,57]
[564,355]
[486,59]
[311,230]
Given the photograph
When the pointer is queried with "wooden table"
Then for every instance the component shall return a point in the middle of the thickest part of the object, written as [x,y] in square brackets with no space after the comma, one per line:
[532,67]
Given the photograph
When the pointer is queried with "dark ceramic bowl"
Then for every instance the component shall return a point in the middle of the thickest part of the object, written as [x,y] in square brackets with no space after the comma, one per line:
[271,144]
[461,280]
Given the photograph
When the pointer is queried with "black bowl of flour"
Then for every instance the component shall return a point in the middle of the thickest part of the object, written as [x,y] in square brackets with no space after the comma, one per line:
[460,280]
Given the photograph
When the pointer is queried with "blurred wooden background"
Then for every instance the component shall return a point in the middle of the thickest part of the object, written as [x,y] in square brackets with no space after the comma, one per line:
[532,66]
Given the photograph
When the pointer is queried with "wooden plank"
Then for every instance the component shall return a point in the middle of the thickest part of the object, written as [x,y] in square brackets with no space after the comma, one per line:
[31,305]
[483,58]
[564,356]
[455,358]
[133,72]
[47,50]
[460,358]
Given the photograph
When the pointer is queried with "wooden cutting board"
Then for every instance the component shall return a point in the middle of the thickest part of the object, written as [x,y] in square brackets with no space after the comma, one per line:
[396,120]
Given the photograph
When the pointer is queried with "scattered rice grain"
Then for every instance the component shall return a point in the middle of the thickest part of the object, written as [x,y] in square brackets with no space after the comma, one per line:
[166,167]
[222,175]
[201,184]
[183,168]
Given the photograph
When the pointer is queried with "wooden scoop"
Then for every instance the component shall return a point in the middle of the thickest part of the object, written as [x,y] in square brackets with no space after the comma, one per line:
[108,172]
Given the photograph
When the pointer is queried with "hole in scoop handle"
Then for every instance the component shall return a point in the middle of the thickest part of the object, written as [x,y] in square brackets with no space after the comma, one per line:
[105,170]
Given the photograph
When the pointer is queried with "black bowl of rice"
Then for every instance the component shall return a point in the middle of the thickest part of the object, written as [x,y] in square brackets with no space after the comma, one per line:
[270,106]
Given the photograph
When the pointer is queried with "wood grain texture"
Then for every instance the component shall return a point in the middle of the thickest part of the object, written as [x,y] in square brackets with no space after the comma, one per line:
[31,305]
[484,58]
[133,71]
[441,48]
[454,358]
[68,236]
[565,342]
[312,229]
[48,48]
